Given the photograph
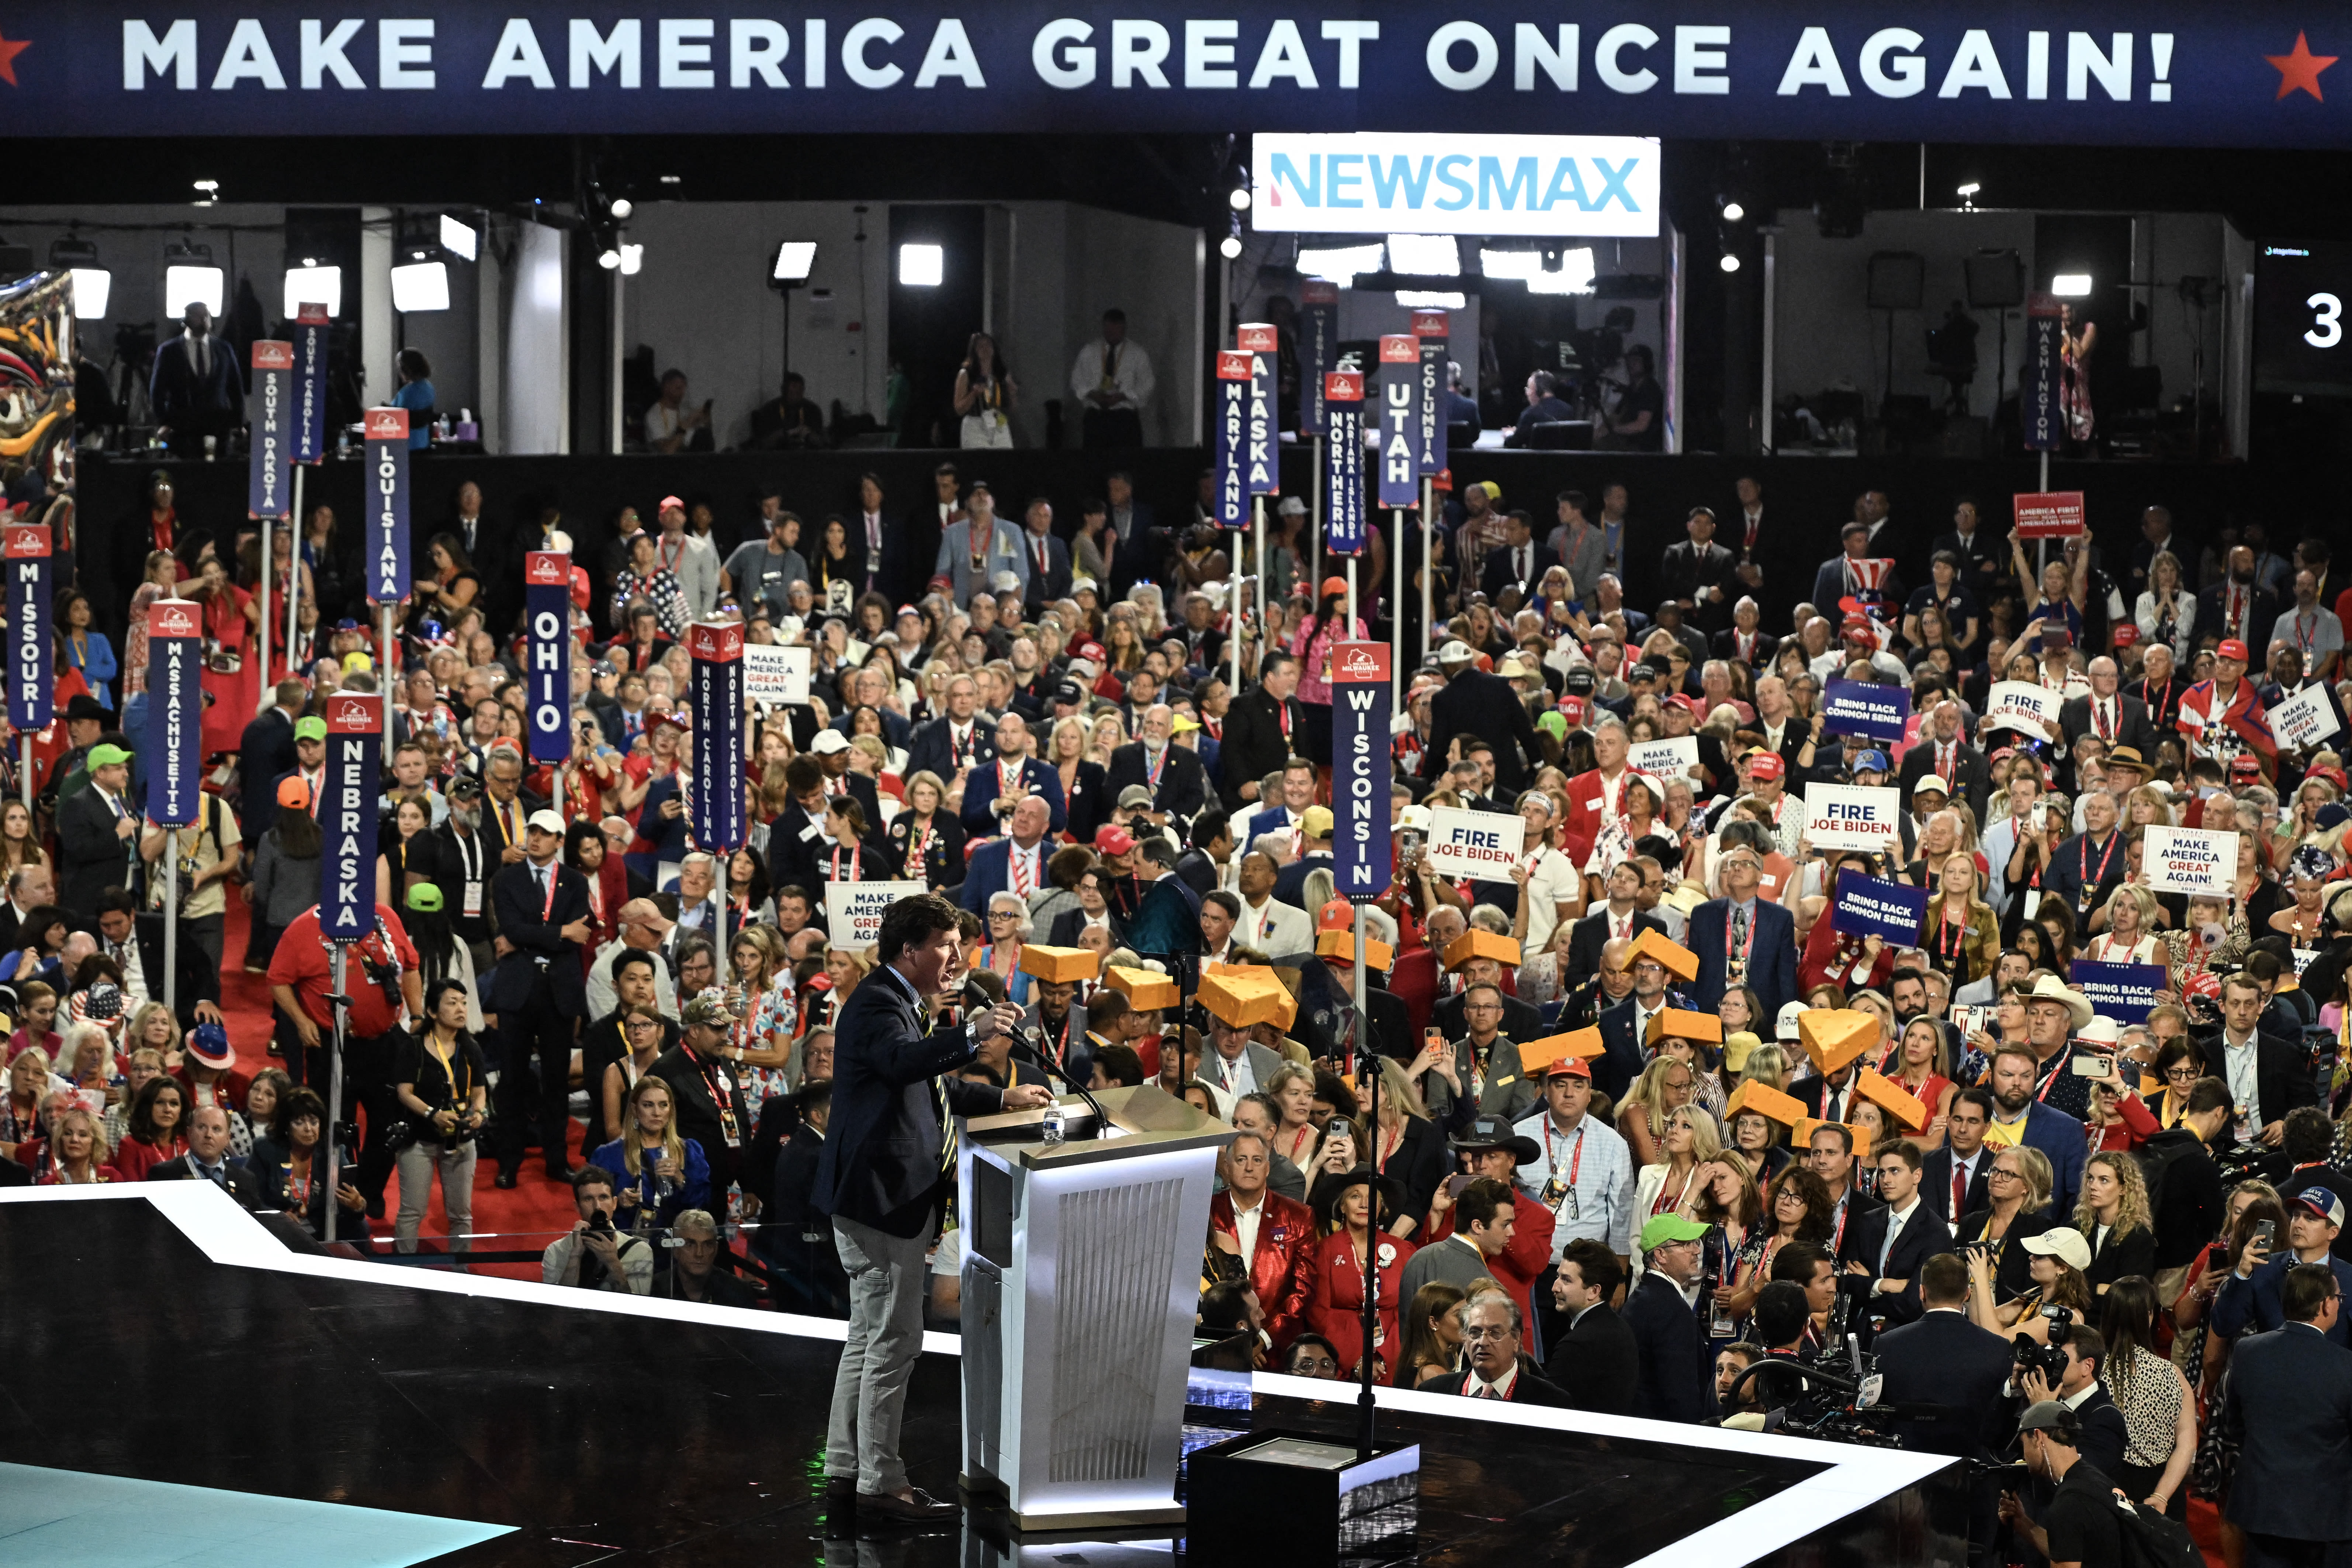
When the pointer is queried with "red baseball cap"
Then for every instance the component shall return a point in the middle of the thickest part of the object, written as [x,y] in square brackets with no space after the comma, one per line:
[2126,634]
[2231,648]
[1575,710]
[1689,704]
[669,501]
[1335,585]
[1766,765]
[1859,624]
[1336,915]
[2245,766]
[1113,840]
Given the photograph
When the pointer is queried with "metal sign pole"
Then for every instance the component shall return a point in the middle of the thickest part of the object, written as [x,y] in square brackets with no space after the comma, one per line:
[265,602]
[335,1097]
[1428,562]
[1368,1069]
[1316,523]
[1258,573]
[384,678]
[25,770]
[1396,610]
[293,579]
[172,921]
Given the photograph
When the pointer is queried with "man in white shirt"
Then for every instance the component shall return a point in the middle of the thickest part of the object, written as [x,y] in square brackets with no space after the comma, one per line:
[689,557]
[670,426]
[1112,379]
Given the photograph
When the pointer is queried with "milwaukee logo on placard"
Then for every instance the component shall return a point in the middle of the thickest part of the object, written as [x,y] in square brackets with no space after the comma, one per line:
[1429,323]
[717,641]
[350,715]
[1400,349]
[1361,661]
[1319,292]
[268,355]
[387,424]
[1255,337]
[173,618]
[548,569]
[311,316]
[27,544]
[1344,386]
[1233,364]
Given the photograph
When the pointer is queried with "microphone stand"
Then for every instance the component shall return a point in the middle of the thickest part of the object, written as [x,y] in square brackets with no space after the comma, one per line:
[1025,1049]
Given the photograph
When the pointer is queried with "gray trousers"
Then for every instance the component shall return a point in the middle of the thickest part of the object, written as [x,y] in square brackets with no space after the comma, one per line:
[416,1164]
[887,1281]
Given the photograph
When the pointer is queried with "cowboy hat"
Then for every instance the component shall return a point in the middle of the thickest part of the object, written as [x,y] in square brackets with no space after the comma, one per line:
[2050,988]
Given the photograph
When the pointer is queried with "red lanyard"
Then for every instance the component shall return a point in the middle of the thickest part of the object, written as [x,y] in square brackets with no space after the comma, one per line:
[1282,711]
[2091,883]
[1575,1159]
[1155,769]
[856,860]
[715,1079]
[1746,949]
[1950,939]
[919,846]
[547,913]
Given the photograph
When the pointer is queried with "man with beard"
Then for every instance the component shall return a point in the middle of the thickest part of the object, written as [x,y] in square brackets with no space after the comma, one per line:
[2018,1119]
[2238,609]
[464,861]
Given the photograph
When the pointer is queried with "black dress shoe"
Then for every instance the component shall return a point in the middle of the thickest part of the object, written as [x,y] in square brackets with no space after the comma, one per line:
[562,1171]
[922,1509]
[507,1175]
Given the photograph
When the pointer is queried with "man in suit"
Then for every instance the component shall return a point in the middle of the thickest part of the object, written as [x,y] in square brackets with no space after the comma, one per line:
[1941,1359]
[1275,1235]
[999,544]
[1841,577]
[1520,1021]
[1625,1026]
[1888,1246]
[1943,750]
[2106,712]
[265,752]
[1520,561]
[1260,727]
[2266,1073]
[1173,774]
[1492,1333]
[97,845]
[1952,1178]
[195,388]
[957,740]
[1595,1359]
[888,1157]
[1745,639]
[1049,558]
[207,1160]
[540,996]
[2239,608]
[1484,1056]
[1743,939]
[1476,703]
[2291,1405]
[134,939]
[1982,557]
[1674,1382]
[1619,920]
[1314,855]
[1700,575]
[1266,923]
[1015,863]
[1236,1064]
[2019,1117]
[29,888]
[2252,1299]
[990,793]
[2086,869]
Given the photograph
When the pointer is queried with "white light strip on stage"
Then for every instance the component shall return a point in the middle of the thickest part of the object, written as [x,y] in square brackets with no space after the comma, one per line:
[1857,1477]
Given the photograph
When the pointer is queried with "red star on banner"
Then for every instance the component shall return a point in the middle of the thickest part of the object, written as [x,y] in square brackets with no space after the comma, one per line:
[9,53]
[2299,72]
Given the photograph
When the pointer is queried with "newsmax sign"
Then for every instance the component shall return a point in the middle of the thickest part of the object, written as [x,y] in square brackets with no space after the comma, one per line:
[1376,182]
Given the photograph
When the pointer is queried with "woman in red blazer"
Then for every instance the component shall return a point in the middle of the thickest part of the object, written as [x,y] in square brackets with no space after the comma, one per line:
[1335,1303]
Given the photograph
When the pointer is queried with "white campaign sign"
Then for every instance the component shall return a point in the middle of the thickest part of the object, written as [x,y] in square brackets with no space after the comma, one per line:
[2021,706]
[1672,759]
[776,677]
[1853,816]
[854,910]
[1481,844]
[1451,181]
[2303,719]
[2190,860]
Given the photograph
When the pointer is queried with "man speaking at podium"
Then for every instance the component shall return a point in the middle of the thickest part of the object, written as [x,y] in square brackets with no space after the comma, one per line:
[887,1165]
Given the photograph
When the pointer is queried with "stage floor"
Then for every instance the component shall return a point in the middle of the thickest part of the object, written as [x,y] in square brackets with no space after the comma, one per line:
[173,1340]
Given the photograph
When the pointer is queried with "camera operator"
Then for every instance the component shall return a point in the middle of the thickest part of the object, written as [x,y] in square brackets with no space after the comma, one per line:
[593,1253]
[2067,1370]
[2078,1528]
[443,1083]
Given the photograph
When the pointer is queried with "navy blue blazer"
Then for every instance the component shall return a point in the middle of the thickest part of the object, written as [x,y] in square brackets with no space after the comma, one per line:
[1944,1360]
[1613,1073]
[880,1164]
[2291,1403]
[1677,1381]
[1772,957]
[2061,1138]
[536,931]
[931,749]
[980,794]
[984,874]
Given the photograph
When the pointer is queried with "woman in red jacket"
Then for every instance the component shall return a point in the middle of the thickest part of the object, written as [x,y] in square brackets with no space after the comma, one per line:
[1335,1303]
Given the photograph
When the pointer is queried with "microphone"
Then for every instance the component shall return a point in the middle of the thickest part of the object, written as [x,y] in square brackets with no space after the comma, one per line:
[1028,1045]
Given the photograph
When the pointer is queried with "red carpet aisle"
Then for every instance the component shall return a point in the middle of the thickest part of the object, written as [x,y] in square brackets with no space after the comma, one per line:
[523,1218]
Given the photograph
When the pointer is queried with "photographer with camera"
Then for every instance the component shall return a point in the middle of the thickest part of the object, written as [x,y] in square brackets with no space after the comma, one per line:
[2067,1370]
[595,1254]
[2079,1527]
[443,1082]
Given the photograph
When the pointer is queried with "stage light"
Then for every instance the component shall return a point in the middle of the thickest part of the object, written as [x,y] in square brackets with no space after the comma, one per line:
[420,286]
[796,259]
[1971,188]
[189,277]
[1424,255]
[1230,248]
[311,284]
[207,192]
[1240,198]
[459,239]
[1430,300]
[633,257]
[609,257]
[1340,266]
[1733,212]
[670,180]
[93,285]
[923,265]
[1574,275]
[2071,285]
[1729,263]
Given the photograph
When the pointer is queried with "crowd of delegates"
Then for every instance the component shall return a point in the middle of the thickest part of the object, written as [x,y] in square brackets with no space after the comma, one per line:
[1044,721]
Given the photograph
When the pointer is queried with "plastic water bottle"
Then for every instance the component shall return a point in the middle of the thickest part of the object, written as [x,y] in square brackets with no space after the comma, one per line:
[1050,1129]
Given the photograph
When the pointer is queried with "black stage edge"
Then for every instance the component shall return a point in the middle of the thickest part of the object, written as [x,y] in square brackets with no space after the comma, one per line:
[607,1437]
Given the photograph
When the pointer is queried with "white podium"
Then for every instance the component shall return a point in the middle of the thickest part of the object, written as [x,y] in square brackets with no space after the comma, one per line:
[1081,1277]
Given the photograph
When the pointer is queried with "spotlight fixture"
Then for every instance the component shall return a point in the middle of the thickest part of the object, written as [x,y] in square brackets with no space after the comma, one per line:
[623,208]
[633,257]
[207,192]
[1729,263]
[1230,248]
[2071,285]
[189,277]
[421,286]
[1340,265]
[1239,198]
[670,180]
[93,285]
[1424,255]
[1733,212]
[609,257]
[459,238]
[796,259]
[1967,195]
[923,265]
[311,284]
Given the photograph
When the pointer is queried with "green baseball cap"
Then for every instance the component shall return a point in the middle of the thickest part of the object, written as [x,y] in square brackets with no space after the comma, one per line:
[311,728]
[107,756]
[425,898]
[1661,1229]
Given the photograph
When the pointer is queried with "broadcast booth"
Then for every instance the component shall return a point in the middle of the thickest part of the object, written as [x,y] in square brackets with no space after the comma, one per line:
[1373,256]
